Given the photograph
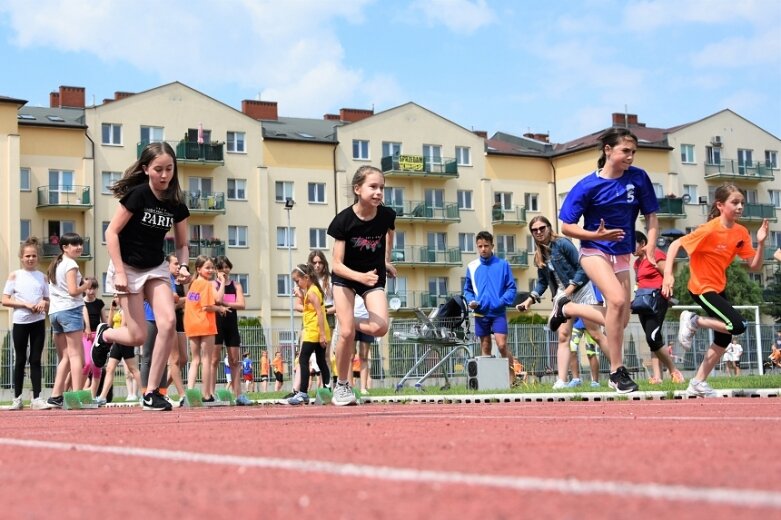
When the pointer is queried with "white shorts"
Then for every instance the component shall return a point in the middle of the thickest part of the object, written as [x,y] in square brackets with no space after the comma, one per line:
[137,278]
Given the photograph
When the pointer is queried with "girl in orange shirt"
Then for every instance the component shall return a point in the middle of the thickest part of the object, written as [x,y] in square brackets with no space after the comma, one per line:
[200,324]
[711,248]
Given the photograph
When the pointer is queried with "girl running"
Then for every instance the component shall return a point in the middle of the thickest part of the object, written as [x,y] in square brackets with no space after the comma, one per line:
[363,236]
[711,248]
[119,353]
[316,332]
[149,205]
[27,293]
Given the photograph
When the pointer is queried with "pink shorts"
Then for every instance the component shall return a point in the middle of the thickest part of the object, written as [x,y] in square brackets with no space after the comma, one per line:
[620,263]
[89,368]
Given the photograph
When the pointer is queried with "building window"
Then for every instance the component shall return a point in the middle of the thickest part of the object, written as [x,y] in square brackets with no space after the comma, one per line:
[466,242]
[713,155]
[360,149]
[237,236]
[103,228]
[25,229]
[316,192]
[235,142]
[775,239]
[435,198]
[108,179]
[111,134]
[752,197]
[317,238]
[465,199]
[390,149]
[399,240]
[283,285]
[505,243]
[463,156]
[398,287]
[531,201]
[504,199]
[775,198]
[200,187]
[687,153]
[283,190]
[658,190]
[691,191]
[243,279]
[285,239]
[394,198]
[151,134]
[745,160]
[771,158]
[432,153]
[437,288]
[24,179]
[237,189]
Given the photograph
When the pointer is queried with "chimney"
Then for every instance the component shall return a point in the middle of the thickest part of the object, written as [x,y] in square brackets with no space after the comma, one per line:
[331,117]
[621,119]
[353,115]
[260,109]
[122,95]
[54,100]
[480,133]
[545,138]
[72,97]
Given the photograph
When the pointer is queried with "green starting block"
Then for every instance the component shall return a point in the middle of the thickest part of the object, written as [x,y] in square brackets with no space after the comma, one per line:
[78,400]
[358,396]
[224,397]
[323,396]
[193,398]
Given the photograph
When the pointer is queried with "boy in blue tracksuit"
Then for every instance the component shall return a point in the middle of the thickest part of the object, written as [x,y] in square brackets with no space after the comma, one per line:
[489,288]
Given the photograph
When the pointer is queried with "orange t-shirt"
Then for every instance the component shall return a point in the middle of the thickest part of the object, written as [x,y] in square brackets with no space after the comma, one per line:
[277,363]
[264,366]
[356,363]
[198,322]
[711,248]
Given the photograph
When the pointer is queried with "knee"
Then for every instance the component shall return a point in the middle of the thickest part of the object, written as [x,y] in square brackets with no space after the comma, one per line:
[739,327]
[378,328]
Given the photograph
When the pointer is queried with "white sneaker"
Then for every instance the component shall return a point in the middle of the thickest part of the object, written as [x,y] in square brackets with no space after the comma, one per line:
[38,404]
[686,329]
[16,404]
[343,396]
[700,389]
[559,384]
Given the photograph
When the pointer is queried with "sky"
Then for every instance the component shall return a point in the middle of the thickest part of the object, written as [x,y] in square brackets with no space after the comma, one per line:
[560,67]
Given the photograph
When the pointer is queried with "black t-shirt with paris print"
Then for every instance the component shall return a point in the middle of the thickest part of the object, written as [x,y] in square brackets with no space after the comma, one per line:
[364,247]
[142,239]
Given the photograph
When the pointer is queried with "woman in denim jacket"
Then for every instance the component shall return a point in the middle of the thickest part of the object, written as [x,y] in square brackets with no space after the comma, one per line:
[557,264]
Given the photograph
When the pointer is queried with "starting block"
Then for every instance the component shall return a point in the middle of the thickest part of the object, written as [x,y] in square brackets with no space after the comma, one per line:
[193,398]
[358,396]
[79,400]
[323,396]
[224,397]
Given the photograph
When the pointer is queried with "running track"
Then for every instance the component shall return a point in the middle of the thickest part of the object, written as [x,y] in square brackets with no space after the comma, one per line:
[639,459]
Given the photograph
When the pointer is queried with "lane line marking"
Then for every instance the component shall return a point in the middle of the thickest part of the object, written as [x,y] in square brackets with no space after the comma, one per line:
[678,493]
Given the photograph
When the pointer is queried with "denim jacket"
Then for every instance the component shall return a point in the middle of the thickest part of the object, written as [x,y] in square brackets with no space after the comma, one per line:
[564,257]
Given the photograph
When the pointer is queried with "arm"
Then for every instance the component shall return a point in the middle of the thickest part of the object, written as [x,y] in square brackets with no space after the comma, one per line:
[85,317]
[579,279]
[118,222]
[469,293]
[181,242]
[239,303]
[315,301]
[70,280]
[337,262]
[602,233]
[389,267]
[669,279]
[508,297]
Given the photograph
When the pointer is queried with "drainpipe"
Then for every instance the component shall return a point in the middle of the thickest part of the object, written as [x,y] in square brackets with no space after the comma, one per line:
[336,183]
[555,196]
[94,208]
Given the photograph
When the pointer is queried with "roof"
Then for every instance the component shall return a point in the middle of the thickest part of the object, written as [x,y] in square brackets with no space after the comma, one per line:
[46,116]
[301,129]
[6,99]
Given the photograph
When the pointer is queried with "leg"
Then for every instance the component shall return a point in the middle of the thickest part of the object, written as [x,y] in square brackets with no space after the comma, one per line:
[364,353]
[76,354]
[108,381]
[234,360]
[208,376]
[322,362]
[37,341]
[195,361]
[377,323]
[303,364]
[160,297]
[563,351]
[344,302]
[21,335]
[147,351]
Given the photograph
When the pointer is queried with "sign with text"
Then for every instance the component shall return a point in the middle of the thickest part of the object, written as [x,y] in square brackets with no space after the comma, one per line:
[412,163]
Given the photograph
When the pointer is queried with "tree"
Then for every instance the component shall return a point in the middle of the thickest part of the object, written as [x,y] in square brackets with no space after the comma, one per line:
[772,295]
[741,289]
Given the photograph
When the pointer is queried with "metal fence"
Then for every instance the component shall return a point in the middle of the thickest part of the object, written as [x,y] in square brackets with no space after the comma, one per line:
[392,357]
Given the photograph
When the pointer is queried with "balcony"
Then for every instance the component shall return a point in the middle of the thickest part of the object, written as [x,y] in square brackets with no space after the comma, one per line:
[670,207]
[74,198]
[425,256]
[515,216]
[732,170]
[417,211]
[210,247]
[49,250]
[193,153]
[516,259]
[758,212]
[203,203]
[419,166]
[420,299]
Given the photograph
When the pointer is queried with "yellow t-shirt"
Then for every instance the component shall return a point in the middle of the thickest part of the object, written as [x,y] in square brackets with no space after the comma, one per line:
[311,331]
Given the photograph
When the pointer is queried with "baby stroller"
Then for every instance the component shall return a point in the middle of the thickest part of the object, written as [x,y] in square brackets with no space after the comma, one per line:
[445,332]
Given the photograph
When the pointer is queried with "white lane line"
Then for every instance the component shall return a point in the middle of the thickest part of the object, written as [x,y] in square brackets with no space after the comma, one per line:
[580,417]
[678,493]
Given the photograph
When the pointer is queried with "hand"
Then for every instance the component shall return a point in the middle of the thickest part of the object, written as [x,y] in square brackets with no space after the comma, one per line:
[120,282]
[524,305]
[667,285]
[371,278]
[473,305]
[390,270]
[609,235]
[762,232]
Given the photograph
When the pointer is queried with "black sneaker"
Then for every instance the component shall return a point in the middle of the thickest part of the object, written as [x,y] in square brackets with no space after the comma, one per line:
[557,317]
[100,348]
[621,382]
[54,402]
[155,402]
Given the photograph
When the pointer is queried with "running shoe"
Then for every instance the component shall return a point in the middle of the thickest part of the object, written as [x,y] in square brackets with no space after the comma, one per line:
[557,317]
[16,404]
[243,400]
[621,382]
[559,384]
[299,398]
[155,402]
[576,382]
[291,394]
[686,329]
[343,395]
[100,401]
[700,389]
[595,384]
[54,402]
[100,348]
[38,404]
[654,381]
[677,377]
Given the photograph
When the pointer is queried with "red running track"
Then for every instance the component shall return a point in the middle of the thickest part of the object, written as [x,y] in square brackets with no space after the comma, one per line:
[641,459]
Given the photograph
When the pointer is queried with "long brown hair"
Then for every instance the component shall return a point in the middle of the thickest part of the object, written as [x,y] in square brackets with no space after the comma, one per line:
[67,239]
[135,175]
[308,271]
[721,195]
[326,268]
[542,251]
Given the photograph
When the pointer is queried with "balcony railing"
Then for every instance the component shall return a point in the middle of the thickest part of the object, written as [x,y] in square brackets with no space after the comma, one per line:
[755,212]
[421,299]
[515,258]
[670,207]
[423,255]
[64,197]
[49,250]
[203,203]
[417,211]
[192,152]
[210,247]
[515,216]
[731,169]
[419,166]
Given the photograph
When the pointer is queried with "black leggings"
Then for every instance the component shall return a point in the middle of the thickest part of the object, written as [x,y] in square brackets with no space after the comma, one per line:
[717,306]
[652,325]
[307,347]
[35,334]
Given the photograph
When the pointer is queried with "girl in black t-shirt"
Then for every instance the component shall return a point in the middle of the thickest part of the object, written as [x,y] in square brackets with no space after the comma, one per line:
[360,261]
[149,205]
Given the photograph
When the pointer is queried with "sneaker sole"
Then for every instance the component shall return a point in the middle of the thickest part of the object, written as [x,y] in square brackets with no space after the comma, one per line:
[153,409]
[344,403]
[614,386]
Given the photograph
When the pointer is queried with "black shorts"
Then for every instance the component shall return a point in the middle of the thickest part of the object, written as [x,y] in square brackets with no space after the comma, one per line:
[263,379]
[359,288]
[278,376]
[120,352]
[356,373]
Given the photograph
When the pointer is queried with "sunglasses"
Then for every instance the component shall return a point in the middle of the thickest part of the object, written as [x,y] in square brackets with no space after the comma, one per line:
[540,229]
